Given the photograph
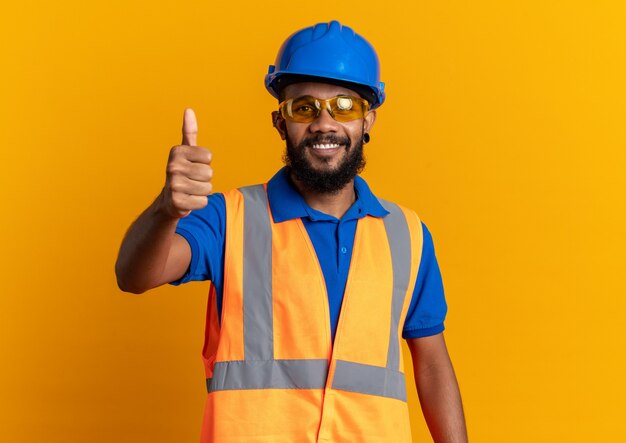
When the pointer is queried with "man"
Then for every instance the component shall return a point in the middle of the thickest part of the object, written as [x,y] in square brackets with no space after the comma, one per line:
[313,278]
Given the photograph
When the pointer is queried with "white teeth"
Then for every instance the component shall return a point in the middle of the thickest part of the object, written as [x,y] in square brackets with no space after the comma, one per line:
[325,146]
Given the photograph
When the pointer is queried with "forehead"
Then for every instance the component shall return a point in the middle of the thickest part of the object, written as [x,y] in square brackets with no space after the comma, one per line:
[318,90]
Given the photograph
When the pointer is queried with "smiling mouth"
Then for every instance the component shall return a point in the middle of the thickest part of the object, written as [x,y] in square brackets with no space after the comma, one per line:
[322,146]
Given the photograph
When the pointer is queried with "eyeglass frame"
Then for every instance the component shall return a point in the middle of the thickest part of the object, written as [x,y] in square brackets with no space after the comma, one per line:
[326,103]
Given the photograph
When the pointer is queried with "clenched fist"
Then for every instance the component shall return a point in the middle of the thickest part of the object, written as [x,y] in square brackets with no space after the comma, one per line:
[189,173]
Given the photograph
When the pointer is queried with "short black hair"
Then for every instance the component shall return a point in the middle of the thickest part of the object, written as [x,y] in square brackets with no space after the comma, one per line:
[285,80]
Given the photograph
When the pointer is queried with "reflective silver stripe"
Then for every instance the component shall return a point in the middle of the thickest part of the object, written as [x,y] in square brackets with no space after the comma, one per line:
[257,276]
[268,374]
[374,380]
[367,379]
[400,244]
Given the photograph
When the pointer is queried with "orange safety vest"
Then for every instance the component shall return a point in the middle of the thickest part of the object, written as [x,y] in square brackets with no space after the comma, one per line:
[273,374]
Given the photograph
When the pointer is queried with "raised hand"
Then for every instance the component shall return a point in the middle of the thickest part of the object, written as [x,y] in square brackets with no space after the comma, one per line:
[188,173]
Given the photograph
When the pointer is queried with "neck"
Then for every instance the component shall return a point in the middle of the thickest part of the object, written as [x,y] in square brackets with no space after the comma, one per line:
[335,204]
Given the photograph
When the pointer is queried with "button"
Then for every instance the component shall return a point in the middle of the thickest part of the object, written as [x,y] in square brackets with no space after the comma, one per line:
[344,249]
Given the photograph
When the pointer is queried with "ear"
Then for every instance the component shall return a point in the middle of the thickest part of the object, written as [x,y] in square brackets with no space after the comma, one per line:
[279,123]
[370,118]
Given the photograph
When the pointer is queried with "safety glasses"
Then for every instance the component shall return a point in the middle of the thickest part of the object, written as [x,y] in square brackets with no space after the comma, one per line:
[305,109]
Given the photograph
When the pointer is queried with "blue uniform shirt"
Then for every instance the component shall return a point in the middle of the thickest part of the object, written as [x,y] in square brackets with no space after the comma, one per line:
[332,238]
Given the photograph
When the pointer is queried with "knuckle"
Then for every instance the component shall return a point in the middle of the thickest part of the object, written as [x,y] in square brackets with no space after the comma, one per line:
[175,168]
[176,186]
[178,201]
[176,151]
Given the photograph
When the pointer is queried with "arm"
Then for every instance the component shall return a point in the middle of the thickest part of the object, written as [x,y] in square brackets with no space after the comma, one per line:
[438,389]
[152,253]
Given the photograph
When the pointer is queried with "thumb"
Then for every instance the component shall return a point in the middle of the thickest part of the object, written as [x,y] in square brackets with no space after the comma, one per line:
[190,128]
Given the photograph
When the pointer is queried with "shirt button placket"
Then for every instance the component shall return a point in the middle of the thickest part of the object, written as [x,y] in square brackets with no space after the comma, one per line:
[341,246]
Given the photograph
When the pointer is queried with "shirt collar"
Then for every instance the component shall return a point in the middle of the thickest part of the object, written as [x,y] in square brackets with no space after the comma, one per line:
[286,203]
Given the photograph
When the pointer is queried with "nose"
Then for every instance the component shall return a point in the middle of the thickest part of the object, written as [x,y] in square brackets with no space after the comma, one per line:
[324,123]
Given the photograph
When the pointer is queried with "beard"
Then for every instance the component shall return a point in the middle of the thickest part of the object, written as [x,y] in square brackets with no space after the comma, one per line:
[325,181]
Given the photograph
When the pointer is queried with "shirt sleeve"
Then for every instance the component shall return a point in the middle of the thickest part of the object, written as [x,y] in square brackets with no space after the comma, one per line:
[205,229]
[428,307]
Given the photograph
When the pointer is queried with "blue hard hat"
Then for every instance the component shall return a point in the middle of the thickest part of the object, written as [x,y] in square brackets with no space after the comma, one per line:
[330,53]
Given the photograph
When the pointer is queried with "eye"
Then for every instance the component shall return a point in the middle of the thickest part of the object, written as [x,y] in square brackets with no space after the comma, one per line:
[304,108]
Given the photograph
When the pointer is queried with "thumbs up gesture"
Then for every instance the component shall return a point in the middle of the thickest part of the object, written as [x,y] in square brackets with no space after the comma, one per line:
[188,173]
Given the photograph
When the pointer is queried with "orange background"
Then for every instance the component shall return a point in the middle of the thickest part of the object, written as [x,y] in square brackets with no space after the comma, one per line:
[504,128]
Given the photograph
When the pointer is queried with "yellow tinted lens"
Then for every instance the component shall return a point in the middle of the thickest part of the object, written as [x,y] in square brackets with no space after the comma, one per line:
[346,108]
[301,109]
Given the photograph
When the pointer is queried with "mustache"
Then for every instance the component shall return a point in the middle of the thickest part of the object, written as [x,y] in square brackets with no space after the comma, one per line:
[324,139]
